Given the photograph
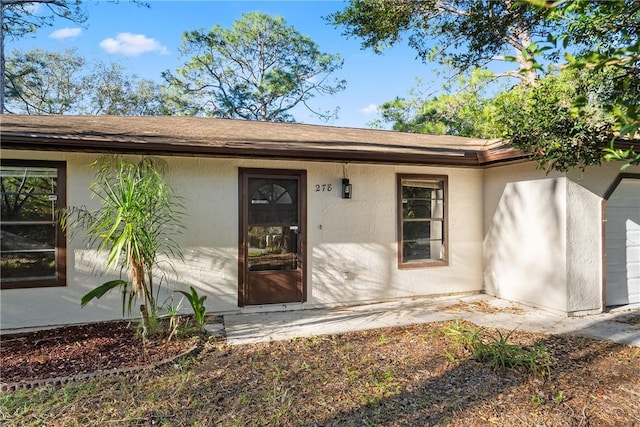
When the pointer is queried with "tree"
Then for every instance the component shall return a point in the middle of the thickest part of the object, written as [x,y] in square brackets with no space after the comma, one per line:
[550,114]
[115,92]
[468,33]
[43,82]
[611,34]
[135,224]
[464,110]
[21,17]
[259,69]
[18,18]
[545,120]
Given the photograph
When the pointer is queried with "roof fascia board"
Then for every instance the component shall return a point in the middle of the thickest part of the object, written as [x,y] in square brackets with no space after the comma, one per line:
[437,157]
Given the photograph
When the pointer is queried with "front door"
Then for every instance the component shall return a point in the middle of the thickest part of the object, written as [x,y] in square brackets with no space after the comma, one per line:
[272,236]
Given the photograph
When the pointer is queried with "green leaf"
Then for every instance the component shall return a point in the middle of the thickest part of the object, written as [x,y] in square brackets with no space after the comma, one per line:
[197,304]
[630,129]
[101,290]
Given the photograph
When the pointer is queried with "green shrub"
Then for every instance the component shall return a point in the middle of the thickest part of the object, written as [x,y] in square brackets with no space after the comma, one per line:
[496,351]
[197,304]
[137,218]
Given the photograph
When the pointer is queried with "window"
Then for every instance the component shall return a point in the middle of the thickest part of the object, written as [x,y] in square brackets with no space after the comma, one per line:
[32,244]
[422,220]
[273,224]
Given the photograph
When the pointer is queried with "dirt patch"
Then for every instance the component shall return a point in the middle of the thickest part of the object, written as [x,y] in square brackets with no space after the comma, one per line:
[482,307]
[401,376]
[631,319]
[81,349]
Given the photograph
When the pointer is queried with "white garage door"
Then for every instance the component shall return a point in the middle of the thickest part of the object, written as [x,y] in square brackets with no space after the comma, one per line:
[623,244]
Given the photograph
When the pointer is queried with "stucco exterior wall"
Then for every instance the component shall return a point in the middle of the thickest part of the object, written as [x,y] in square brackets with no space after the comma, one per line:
[585,246]
[543,235]
[525,235]
[584,250]
[352,247]
[598,179]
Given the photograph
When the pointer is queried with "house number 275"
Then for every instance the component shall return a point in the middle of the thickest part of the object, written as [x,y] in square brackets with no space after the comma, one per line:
[323,187]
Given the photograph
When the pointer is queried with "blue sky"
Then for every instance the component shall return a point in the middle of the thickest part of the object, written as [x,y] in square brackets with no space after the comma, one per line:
[146,41]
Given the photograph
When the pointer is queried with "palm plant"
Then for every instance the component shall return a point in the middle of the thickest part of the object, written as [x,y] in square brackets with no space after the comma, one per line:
[137,217]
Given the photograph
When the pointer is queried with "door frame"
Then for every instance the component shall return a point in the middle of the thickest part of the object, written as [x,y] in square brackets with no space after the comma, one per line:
[605,198]
[243,220]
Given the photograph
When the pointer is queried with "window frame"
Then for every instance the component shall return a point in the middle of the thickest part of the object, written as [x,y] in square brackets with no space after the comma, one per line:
[400,178]
[60,278]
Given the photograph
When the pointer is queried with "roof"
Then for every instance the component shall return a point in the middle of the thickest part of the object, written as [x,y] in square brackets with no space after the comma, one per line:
[198,136]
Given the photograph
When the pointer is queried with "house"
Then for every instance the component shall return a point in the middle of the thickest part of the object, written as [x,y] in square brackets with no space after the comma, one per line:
[290,216]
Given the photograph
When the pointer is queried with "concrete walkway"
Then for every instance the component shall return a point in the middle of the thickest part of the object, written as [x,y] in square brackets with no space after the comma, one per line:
[621,326]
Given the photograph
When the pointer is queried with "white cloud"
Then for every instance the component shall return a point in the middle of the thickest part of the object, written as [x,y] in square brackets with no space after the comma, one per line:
[65,33]
[369,109]
[128,44]
[32,8]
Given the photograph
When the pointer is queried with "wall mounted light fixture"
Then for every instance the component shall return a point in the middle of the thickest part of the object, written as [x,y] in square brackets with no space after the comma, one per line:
[346,188]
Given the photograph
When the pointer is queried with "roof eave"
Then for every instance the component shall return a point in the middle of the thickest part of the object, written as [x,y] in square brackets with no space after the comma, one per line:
[434,157]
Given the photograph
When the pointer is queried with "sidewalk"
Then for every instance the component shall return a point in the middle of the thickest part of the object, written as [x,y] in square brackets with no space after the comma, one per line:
[483,310]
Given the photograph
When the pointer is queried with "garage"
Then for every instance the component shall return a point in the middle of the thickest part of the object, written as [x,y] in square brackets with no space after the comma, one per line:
[623,243]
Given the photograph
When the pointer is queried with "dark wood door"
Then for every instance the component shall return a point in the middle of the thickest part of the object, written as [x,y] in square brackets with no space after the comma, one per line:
[272,237]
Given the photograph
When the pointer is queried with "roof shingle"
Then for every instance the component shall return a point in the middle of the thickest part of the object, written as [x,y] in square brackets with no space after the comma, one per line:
[198,136]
